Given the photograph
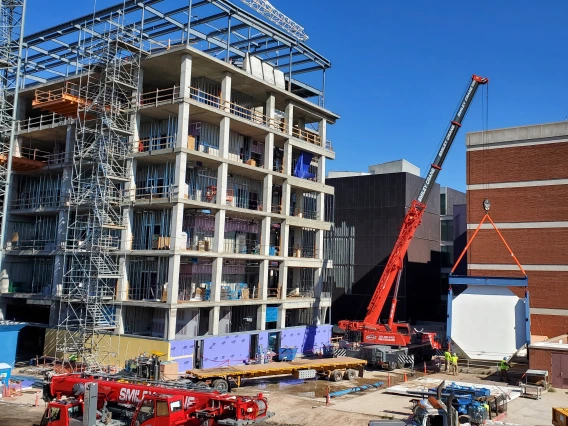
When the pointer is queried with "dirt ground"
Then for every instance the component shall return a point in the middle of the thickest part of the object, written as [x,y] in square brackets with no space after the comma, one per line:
[299,403]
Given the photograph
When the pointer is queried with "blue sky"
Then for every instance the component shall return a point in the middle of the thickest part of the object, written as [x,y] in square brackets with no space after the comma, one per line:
[399,69]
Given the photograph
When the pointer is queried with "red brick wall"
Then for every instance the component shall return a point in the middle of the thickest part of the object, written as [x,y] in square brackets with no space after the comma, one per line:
[529,204]
[522,163]
[544,246]
[540,359]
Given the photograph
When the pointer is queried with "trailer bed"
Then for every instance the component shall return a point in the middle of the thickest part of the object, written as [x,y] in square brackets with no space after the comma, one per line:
[279,368]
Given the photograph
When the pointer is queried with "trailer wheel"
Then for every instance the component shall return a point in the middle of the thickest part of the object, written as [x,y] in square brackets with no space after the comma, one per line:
[201,385]
[391,366]
[350,374]
[221,385]
[336,375]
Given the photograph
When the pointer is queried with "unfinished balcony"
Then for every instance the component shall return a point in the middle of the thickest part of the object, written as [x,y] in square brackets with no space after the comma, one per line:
[242,236]
[303,243]
[31,276]
[155,183]
[246,192]
[151,229]
[156,135]
[65,100]
[301,283]
[37,193]
[240,279]
[304,205]
[31,235]
[201,185]
[305,165]
[147,278]
[195,281]
[198,231]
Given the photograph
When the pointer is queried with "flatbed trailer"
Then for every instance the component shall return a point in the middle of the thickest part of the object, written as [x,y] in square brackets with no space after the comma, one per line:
[334,369]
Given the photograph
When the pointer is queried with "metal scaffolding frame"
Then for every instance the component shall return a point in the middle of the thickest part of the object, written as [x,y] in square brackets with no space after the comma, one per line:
[12,18]
[103,144]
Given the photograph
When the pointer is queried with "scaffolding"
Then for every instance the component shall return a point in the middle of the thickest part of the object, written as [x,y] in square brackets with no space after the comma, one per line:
[12,15]
[104,135]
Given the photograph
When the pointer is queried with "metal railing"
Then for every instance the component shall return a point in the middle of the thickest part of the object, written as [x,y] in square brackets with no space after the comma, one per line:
[24,203]
[304,213]
[156,143]
[32,245]
[153,193]
[68,89]
[44,120]
[159,97]
[305,252]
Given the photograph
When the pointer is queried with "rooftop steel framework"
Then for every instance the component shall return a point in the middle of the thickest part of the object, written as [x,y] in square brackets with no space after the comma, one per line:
[217,27]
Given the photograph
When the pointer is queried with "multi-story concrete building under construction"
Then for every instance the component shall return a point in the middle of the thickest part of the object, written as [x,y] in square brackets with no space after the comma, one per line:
[168,190]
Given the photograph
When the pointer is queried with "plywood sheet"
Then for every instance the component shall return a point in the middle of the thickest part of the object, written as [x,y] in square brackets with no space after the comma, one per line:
[488,322]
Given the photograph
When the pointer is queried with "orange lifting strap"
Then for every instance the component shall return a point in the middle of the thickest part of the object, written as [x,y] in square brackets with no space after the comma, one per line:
[502,239]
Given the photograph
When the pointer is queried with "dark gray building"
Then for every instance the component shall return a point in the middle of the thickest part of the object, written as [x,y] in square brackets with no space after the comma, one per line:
[369,210]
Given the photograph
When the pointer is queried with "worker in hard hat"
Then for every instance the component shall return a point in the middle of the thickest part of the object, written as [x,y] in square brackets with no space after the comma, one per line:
[448,358]
[454,364]
[504,366]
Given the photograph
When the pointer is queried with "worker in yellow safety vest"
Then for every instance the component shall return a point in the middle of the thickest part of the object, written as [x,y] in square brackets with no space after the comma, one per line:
[504,366]
[454,364]
[448,358]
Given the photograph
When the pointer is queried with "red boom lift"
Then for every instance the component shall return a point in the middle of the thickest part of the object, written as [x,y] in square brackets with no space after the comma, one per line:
[369,331]
[95,401]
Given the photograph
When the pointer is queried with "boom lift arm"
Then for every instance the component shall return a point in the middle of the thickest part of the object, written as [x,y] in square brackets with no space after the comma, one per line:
[412,220]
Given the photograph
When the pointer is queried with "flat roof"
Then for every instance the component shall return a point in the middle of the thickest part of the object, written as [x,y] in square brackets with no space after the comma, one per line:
[520,133]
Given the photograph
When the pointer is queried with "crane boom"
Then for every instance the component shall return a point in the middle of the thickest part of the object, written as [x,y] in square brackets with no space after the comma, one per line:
[411,222]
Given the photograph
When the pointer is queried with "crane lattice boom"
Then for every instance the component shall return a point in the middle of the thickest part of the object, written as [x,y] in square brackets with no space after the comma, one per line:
[267,10]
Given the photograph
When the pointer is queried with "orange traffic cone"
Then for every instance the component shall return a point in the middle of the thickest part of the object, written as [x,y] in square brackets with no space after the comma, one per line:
[405,377]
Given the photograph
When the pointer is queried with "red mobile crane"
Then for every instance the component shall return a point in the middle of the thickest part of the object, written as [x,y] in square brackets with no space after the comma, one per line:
[96,401]
[369,331]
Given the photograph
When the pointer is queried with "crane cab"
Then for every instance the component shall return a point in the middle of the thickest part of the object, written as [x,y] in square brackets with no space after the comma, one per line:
[159,411]
[63,413]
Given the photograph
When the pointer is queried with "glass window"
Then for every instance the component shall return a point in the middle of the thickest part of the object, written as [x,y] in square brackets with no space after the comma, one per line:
[175,406]
[161,408]
[146,411]
[447,230]
[54,414]
[447,256]
[442,204]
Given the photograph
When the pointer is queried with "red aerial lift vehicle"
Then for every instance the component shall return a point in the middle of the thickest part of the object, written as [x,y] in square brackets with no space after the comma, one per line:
[369,331]
[97,401]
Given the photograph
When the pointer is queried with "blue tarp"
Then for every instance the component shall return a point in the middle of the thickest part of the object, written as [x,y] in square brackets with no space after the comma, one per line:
[302,169]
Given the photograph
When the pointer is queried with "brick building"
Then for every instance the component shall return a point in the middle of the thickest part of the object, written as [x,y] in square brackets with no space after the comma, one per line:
[523,172]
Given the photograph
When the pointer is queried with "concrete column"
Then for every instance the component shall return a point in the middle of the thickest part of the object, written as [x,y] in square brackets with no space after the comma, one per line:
[319,244]
[174,261]
[269,139]
[287,159]
[135,118]
[54,313]
[321,170]
[226,91]
[122,287]
[318,283]
[289,116]
[323,132]
[301,123]
[261,318]
[286,198]
[224,131]
[320,206]
[263,280]
[216,279]
[296,278]
[299,202]
[284,239]
[4,306]
[219,240]
[183,110]
[171,318]
[180,173]
[119,319]
[283,280]
[214,321]
[222,175]
[265,237]
[281,322]
[267,194]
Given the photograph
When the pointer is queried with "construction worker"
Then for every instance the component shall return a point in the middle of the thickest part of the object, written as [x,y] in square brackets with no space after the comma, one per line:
[448,358]
[454,364]
[504,366]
